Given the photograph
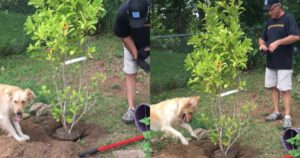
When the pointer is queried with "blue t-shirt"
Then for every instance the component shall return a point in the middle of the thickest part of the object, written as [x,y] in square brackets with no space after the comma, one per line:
[140,36]
[282,57]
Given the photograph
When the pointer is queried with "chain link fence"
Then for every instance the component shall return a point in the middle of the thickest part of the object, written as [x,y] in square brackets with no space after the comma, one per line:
[168,53]
[13,14]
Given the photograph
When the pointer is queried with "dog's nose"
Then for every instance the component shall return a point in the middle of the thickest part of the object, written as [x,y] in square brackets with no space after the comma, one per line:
[19,113]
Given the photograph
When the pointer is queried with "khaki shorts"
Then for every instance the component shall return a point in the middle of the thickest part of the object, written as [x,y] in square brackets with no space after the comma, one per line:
[130,67]
[281,79]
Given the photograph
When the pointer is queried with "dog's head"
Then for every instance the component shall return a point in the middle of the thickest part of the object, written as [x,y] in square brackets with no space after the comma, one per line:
[19,99]
[189,107]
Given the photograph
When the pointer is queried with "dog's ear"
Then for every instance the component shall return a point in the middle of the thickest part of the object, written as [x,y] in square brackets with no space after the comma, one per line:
[30,94]
[193,101]
[10,94]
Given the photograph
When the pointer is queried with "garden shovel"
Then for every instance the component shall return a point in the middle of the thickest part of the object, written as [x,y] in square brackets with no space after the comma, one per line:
[110,146]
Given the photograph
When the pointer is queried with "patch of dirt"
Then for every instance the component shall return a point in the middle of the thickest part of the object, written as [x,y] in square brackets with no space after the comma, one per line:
[237,152]
[266,107]
[61,134]
[115,83]
[202,149]
[43,145]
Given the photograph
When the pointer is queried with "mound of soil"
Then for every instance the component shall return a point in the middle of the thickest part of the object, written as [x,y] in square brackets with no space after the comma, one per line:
[61,134]
[237,152]
[202,149]
[199,149]
[43,145]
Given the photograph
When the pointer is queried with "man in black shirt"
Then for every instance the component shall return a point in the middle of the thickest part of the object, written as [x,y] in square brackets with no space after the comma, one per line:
[133,27]
[278,36]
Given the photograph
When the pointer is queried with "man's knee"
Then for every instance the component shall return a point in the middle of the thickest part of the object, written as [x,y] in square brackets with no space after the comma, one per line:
[286,92]
[131,75]
[271,88]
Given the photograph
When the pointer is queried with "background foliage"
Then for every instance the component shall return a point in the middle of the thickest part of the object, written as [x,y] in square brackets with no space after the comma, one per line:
[165,15]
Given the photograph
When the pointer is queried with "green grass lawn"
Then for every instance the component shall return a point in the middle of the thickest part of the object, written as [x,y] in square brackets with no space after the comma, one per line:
[13,38]
[167,70]
[25,72]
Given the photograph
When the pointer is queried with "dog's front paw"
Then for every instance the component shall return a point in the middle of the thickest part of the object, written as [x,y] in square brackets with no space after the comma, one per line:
[194,135]
[20,139]
[184,142]
[26,137]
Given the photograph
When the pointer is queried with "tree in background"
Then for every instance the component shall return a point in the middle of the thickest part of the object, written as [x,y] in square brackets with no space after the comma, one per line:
[106,24]
[174,16]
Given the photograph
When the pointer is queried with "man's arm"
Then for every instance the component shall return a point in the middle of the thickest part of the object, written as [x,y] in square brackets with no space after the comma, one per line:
[284,41]
[289,40]
[129,44]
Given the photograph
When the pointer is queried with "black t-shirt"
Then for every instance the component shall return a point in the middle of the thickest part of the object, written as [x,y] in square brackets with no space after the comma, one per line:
[140,36]
[282,57]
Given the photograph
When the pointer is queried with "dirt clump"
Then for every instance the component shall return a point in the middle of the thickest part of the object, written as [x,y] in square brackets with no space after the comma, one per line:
[43,145]
[203,149]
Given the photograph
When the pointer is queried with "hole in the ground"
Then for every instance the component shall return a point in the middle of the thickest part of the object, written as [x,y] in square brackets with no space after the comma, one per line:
[62,134]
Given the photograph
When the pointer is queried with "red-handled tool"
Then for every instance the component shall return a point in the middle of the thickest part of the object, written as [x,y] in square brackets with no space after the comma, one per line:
[110,146]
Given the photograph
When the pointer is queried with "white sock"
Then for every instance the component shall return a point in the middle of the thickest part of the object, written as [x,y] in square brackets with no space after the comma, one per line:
[287,116]
[277,113]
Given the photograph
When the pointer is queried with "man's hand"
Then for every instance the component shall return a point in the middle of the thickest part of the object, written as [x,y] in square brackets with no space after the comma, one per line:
[263,48]
[274,45]
[143,65]
[143,53]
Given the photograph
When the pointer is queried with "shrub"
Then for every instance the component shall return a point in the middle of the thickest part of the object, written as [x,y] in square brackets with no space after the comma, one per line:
[220,53]
[59,30]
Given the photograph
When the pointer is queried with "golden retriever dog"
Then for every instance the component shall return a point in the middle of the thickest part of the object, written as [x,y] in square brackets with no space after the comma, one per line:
[12,102]
[171,112]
